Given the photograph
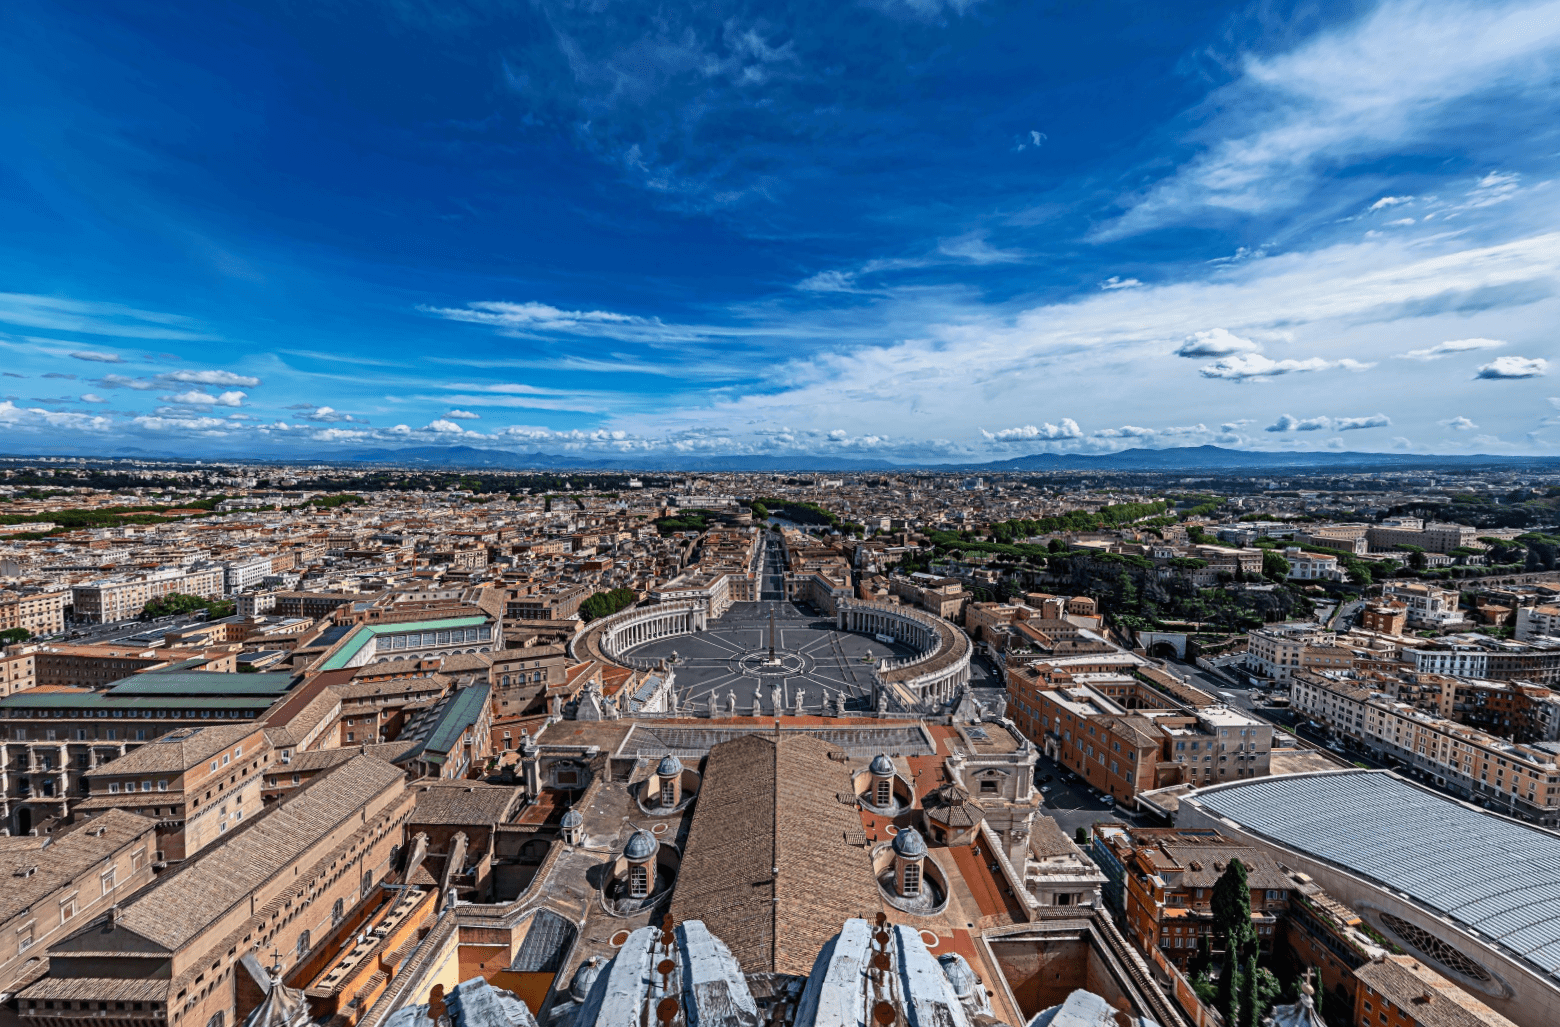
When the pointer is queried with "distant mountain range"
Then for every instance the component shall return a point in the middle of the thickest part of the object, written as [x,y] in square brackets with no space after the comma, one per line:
[1186,458]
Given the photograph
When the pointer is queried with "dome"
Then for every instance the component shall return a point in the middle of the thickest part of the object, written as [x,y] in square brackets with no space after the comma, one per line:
[909,843]
[669,766]
[584,977]
[881,766]
[641,846]
[572,819]
[958,973]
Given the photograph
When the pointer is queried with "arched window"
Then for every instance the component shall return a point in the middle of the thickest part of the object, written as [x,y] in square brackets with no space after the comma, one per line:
[638,881]
[668,792]
[885,792]
[368,881]
[217,1019]
[303,944]
[912,884]
[336,911]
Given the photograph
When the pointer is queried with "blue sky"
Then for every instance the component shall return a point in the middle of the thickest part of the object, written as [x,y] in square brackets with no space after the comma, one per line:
[913,230]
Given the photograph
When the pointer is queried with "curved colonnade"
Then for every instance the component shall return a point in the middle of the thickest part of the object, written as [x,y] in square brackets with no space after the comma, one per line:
[605,640]
[935,676]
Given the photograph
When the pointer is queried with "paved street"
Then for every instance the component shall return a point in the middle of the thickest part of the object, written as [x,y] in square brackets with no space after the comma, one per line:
[1073,804]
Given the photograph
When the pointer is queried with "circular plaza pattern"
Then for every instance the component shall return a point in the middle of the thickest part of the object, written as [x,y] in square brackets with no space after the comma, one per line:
[817,662]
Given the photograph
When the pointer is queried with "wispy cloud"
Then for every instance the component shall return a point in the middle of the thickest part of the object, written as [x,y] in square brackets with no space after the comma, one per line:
[1249,366]
[64,315]
[1446,349]
[1045,431]
[1381,85]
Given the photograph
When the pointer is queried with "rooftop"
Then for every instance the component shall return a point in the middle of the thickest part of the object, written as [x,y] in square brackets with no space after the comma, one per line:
[1492,874]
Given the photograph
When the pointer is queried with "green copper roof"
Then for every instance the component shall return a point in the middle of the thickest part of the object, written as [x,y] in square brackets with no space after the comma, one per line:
[359,638]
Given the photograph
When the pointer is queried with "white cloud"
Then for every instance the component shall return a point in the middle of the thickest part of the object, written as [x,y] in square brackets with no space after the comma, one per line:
[100,358]
[13,416]
[463,415]
[445,427]
[1458,424]
[1446,349]
[1401,76]
[340,434]
[1044,432]
[222,378]
[1255,365]
[1356,423]
[197,398]
[1116,282]
[92,397]
[1513,367]
[1215,342]
[1288,423]
[173,379]
[1389,201]
[209,425]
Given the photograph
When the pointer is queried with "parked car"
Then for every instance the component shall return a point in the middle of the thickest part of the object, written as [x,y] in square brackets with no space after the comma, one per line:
[1108,800]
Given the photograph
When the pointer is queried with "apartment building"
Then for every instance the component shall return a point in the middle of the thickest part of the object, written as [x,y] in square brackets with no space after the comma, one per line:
[51,738]
[1503,775]
[197,784]
[18,669]
[116,599]
[1275,654]
[1123,751]
[41,613]
[1536,621]
[239,575]
[1496,659]
[1408,531]
[943,596]
[1387,617]
[1166,879]
[1304,566]
[1428,606]
[60,881]
[1340,537]
[291,879]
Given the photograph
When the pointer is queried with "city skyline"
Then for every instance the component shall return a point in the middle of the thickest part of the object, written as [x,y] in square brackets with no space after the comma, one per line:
[915,232]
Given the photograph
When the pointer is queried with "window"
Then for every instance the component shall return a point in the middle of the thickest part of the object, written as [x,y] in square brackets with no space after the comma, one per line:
[214,766]
[67,908]
[885,792]
[303,944]
[912,883]
[25,936]
[336,912]
[108,879]
[669,792]
[988,786]
[638,881]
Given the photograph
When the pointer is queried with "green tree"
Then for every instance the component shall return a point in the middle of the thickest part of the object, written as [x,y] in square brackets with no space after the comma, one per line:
[1274,566]
[760,511]
[1081,836]
[604,604]
[1231,908]
[11,636]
